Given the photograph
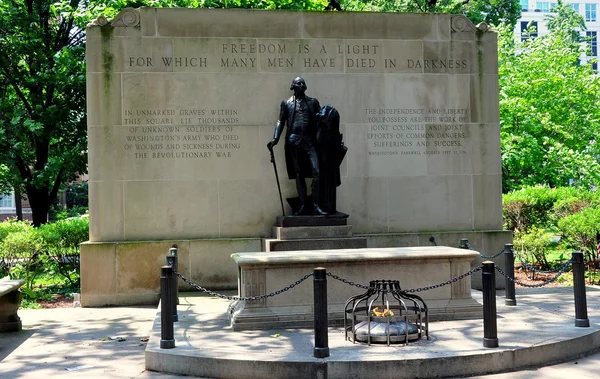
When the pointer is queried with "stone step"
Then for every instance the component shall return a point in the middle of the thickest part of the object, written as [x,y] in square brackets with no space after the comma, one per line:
[307,232]
[315,244]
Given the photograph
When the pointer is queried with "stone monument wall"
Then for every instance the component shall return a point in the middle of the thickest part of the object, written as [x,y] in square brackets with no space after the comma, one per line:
[182,102]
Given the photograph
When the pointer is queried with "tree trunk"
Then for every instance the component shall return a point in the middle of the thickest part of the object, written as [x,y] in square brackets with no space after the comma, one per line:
[38,199]
[18,203]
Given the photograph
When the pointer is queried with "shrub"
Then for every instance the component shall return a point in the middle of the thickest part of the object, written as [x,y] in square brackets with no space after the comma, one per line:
[21,255]
[7,228]
[61,241]
[532,206]
[579,231]
[26,252]
[533,245]
[13,225]
[566,207]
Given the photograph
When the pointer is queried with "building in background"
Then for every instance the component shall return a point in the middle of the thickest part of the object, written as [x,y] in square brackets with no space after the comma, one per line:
[536,12]
[8,207]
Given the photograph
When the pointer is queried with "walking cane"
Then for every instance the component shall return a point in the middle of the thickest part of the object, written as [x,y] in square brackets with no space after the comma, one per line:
[277,178]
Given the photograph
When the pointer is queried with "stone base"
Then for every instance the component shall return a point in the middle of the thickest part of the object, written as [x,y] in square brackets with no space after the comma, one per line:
[127,273]
[312,220]
[415,267]
[313,233]
[315,244]
[10,300]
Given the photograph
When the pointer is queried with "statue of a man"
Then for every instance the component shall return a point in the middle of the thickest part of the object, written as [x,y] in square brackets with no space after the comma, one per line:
[299,112]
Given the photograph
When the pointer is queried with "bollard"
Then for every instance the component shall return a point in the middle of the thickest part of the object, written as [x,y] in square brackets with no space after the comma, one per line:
[167,339]
[173,251]
[172,262]
[509,268]
[321,336]
[581,318]
[464,243]
[490,329]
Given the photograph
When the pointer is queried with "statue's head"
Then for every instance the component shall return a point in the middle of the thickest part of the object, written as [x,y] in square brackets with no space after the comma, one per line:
[298,85]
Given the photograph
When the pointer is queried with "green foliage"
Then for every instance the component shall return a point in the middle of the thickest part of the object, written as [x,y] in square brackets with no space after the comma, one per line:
[492,12]
[21,254]
[533,206]
[579,231]
[51,250]
[61,246]
[13,225]
[532,245]
[549,112]
[42,101]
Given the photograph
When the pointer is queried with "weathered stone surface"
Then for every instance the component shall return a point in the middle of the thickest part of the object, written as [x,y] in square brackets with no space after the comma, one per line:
[10,300]
[341,231]
[182,102]
[191,97]
[415,267]
[316,244]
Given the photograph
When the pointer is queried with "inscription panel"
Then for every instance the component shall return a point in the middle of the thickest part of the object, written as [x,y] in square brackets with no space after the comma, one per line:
[182,106]
[323,55]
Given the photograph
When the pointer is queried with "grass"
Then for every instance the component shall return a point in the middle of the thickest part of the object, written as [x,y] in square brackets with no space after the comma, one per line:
[46,286]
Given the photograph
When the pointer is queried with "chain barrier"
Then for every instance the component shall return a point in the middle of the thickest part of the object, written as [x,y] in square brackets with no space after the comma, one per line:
[531,285]
[331,275]
[481,255]
[349,282]
[531,268]
[246,298]
[453,280]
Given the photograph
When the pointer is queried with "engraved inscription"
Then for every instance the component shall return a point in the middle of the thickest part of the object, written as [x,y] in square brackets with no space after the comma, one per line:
[416,131]
[182,133]
[286,55]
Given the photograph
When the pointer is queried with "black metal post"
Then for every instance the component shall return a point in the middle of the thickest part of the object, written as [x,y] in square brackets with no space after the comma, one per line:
[490,329]
[464,243]
[321,336]
[173,251]
[581,317]
[509,270]
[167,338]
[172,262]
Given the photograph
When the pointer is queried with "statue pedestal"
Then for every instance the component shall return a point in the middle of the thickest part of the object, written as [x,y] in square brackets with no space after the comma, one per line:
[415,267]
[313,233]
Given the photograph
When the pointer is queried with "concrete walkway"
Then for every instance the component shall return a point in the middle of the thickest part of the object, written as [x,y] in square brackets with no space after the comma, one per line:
[76,342]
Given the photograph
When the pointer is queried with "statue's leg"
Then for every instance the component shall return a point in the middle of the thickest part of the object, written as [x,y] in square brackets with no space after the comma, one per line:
[295,151]
[301,188]
[314,163]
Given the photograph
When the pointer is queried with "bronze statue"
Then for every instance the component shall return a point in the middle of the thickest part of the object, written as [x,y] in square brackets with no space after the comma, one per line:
[310,131]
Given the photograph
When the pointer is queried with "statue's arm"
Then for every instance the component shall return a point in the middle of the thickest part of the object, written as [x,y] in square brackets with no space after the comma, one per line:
[279,126]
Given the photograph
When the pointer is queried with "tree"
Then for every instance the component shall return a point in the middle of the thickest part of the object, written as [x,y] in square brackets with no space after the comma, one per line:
[549,107]
[492,12]
[42,102]
[42,86]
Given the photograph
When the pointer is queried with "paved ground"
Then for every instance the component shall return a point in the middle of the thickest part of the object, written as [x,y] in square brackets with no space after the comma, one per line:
[76,342]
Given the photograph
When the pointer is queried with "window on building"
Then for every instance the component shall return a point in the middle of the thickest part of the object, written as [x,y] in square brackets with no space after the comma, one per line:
[524,5]
[552,6]
[532,26]
[575,7]
[543,6]
[592,40]
[6,200]
[590,12]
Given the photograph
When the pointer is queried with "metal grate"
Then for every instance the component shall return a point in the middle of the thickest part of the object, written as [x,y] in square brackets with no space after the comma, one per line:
[385,314]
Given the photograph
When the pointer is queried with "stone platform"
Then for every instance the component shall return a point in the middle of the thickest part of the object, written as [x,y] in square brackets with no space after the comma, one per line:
[538,331]
[415,267]
[293,233]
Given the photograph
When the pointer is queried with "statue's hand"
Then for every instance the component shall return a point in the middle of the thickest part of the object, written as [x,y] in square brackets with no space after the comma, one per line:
[272,143]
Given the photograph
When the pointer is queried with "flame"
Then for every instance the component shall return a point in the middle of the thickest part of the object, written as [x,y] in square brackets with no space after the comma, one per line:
[384,313]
